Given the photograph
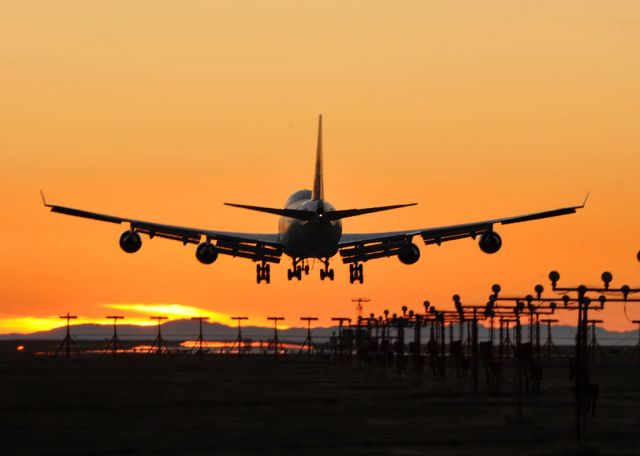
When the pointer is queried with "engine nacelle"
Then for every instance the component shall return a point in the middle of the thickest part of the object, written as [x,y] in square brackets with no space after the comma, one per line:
[490,242]
[130,241]
[206,253]
[409,253]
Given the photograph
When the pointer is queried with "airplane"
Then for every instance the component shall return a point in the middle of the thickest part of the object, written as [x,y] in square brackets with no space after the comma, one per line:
[311,228]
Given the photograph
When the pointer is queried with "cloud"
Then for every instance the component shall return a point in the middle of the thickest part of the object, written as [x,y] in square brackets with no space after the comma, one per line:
[173,311]
[135,314]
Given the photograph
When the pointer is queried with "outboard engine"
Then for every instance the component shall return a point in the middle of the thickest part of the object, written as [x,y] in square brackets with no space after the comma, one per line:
[206,253]
[409,253]
[130,241]
[490,242]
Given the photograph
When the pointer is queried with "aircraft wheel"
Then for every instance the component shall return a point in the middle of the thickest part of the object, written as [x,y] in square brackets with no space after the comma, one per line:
[306,269]
[322,276]
[330,274]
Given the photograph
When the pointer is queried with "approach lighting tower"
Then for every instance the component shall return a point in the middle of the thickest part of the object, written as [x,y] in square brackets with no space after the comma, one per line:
[200,340]
[159,343]
[275,334]
[238,340]
[308,343]
[67,341]
[359,306]
[115,342]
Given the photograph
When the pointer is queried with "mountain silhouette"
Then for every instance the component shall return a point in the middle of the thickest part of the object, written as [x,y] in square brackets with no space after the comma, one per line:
[178,330]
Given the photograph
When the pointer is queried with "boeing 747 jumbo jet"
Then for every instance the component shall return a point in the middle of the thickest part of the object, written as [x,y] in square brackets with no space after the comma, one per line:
[311,228]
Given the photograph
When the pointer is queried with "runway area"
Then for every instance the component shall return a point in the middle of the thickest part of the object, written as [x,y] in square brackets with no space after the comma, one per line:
[145,405]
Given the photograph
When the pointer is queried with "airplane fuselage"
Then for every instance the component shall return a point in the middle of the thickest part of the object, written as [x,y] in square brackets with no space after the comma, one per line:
[315,238]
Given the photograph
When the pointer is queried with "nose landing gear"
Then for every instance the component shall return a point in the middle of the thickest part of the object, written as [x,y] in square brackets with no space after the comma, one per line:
[297,270]
[356,273]
[263,272]
[326,272]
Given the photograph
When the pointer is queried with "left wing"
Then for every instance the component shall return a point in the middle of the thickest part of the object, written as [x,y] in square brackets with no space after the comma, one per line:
[257,247]
[367,246]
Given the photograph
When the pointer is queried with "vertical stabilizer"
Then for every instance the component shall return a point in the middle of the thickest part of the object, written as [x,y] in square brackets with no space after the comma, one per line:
[318,185]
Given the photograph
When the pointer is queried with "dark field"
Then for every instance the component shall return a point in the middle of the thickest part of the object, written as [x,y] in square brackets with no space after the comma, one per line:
[223,405]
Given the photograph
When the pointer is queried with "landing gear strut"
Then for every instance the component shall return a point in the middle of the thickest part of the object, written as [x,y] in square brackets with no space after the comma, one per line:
[355,273]
[326,272]
[263,272]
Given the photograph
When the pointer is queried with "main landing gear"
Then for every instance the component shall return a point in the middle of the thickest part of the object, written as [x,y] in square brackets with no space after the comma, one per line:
[263,272]
[355,273]
[297,269]
[326,272]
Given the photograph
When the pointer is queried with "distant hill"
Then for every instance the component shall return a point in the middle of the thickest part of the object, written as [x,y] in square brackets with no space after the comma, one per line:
[171,330]
[188,330]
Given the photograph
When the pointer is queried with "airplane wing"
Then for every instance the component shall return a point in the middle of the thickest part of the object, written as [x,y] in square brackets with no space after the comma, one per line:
[257,247]
[368,246]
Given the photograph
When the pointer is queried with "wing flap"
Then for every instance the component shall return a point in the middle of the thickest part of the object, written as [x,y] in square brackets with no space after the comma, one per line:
[361,252]
[255,252]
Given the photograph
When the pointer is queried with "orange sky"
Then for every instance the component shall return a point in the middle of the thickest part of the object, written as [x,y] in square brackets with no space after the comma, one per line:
[164,110]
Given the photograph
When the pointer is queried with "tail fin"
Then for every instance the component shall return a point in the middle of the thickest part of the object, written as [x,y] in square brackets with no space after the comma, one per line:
[318,184]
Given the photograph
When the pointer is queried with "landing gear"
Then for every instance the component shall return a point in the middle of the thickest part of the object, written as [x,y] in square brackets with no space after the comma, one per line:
[296,271]
[355,273]
[263,272]
[326,272]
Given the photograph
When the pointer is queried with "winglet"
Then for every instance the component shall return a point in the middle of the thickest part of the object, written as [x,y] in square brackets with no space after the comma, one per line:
[584,203]
[44,200]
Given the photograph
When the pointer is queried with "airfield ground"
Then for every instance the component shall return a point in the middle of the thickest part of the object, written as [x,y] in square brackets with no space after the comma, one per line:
[221,405]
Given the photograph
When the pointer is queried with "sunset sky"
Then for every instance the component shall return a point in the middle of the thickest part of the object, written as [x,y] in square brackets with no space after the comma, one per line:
[163,110]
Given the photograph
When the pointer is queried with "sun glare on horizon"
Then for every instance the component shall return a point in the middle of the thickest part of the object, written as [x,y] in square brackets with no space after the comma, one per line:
[134,315]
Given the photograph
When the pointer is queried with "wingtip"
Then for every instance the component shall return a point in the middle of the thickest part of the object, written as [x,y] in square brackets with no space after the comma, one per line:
[584,203]
[44,200]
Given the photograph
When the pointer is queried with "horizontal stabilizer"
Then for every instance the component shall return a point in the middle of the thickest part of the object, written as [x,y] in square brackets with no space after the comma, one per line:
[336,215]
[293,213]
[309,215]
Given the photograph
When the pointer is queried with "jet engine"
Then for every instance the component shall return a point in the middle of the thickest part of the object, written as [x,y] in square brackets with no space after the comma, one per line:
[490,242]
[130,241]
[206,253]
[409,253]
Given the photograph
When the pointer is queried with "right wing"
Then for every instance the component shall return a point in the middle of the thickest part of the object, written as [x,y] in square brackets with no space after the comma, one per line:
[368,246]
[257,247]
